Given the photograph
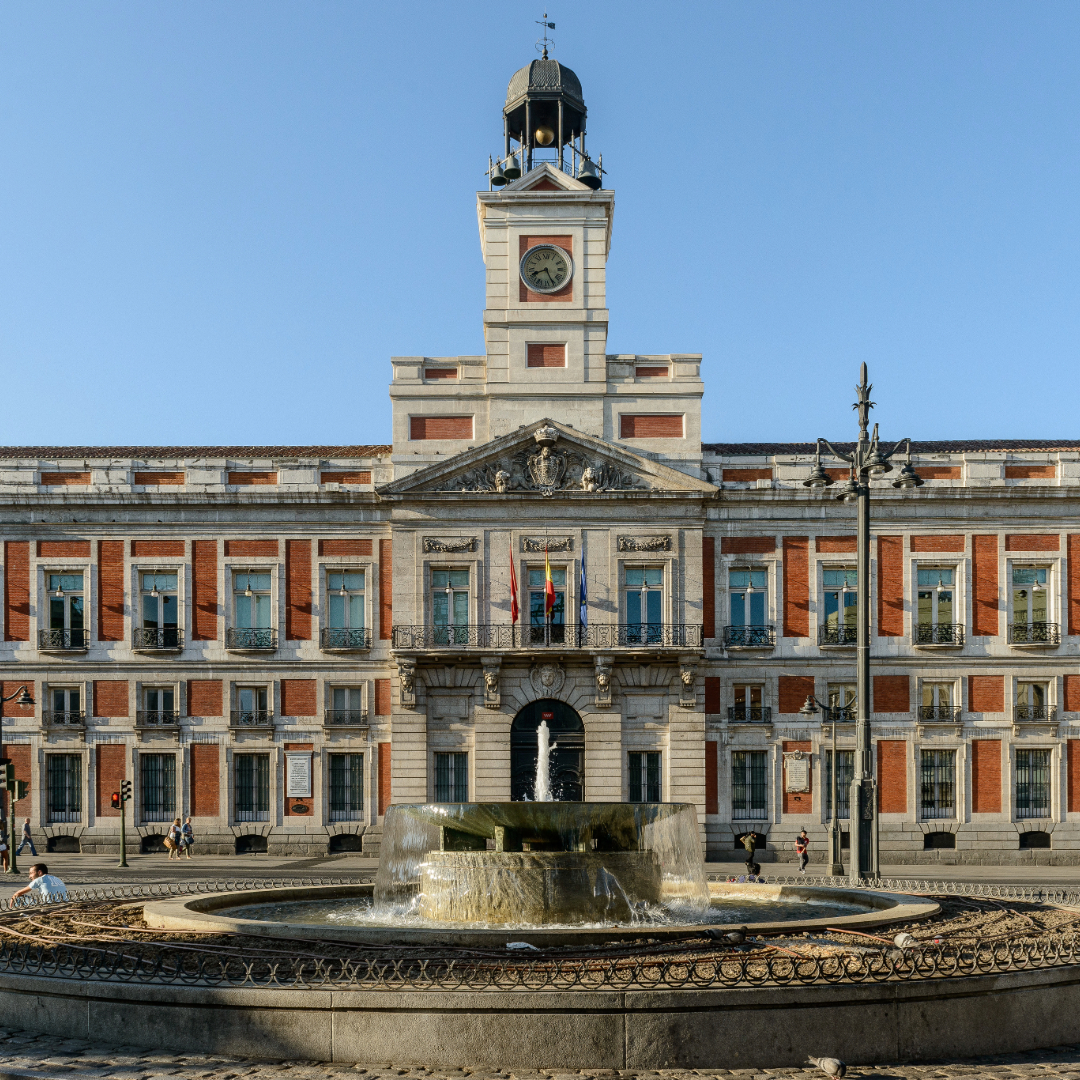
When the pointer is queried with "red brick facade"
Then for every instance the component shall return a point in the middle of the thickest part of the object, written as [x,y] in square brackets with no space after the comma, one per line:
[384,777]
[794,690]
[20,757]
[796,802]
[110,697]
[984,569]
[708,587]
[344,547]
[204,617]
[16,590]
[205,780]
[386,590]
[382,697]
[544,355]
[169,549]
[651,426]
[830,545]
[298,590]
[892,776]
[712,783]
[298,697]
[890,586]
[986,776]
[986,693]
[796,587]
[63,549]
[205,697]
[251,548]
[937,543]
[1033,542]
[712,696]
[111,770]
[748,545]
[892,694]
[110,591]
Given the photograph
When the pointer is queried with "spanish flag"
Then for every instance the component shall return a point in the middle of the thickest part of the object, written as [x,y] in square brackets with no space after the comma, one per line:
[549,586]
[513,587]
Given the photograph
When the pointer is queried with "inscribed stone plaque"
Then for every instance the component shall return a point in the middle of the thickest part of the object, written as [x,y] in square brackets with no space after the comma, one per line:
[797,773]
[298,775]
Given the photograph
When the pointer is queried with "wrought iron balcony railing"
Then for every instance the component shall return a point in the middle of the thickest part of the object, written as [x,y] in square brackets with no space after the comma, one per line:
[1034,633]
[1045,713]
[345,640]
[837,635]
[59,640]
[157,718]
[749,637]
[251,718]
[755,714]
[501,636]
[840,714]
[243,639]
[74,718]
[168,637]
[939,634]
[941,713]
[346,718]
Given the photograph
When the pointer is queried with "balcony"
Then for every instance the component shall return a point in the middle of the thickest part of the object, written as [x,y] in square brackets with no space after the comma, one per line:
[749,637]
[167,639]
[1045,634]
[755,714]
[939,634]
[63,718]
[246,640]
[837,637]
[337,639]
[345,718]
[840,714]
[63,640]
[157,719]
[502,636]
[940,714]
[251,718]
[1035,714]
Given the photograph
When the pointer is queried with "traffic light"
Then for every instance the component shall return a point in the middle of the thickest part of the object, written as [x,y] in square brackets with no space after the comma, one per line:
[125,790]
[9,773]
[116,800]
[20,789]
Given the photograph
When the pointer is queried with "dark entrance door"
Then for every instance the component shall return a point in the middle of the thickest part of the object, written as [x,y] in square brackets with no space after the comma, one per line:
[567,760]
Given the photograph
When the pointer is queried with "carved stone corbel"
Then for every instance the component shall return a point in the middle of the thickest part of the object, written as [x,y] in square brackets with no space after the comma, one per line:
[687,684]
[603,681]
[407,678]
[492,695]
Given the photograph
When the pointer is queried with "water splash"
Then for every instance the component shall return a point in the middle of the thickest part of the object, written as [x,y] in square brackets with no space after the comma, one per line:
[544,746]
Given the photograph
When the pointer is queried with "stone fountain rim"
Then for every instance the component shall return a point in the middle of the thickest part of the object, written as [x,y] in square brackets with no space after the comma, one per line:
[200,914]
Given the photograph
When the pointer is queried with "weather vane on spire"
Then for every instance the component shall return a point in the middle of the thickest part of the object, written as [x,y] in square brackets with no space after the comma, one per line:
[545,41]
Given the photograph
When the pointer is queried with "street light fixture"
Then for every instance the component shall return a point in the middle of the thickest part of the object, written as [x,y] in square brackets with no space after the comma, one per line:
[836,861]
[868,462]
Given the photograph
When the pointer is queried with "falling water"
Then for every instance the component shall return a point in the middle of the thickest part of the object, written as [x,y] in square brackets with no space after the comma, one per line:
[544,746]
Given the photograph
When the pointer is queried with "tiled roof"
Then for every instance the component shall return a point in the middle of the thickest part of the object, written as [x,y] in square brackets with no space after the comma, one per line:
[155,453]
[959,446]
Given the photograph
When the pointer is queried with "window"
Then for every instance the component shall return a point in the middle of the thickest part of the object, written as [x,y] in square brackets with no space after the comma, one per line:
[841,606]
[347,705]
[67,629]
[1031,701]
[159,706]
[938,783]
[644,605]
[66,705]
[252,787]
[346,787]
[252,602]
[158,788]
[748,785]
[251,706]
[1030,607]
[842,707]
[65,787]
[542,629]
[450,606]
[346,600]
[936,612]
[748,707]
[160,608]
[748,591]
[1032,783]
[937,701]
[451,777]
[645,777]
[844,774]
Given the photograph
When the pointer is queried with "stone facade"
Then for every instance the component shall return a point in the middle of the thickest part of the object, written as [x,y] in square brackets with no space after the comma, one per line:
[280,641]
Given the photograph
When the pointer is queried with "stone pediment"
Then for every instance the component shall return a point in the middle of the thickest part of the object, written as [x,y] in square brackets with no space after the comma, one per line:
[547,458]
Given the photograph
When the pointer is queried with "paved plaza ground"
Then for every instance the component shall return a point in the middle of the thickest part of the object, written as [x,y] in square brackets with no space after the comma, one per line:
[24,1055]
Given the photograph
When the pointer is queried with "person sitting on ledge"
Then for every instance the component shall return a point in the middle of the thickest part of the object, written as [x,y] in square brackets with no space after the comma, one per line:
[48,887]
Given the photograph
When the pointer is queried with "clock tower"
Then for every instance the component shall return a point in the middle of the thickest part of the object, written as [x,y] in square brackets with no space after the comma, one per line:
[545,235]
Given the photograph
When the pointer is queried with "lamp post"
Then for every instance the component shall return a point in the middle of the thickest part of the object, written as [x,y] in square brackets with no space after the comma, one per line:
[836,861]
[10,783]
[867,462]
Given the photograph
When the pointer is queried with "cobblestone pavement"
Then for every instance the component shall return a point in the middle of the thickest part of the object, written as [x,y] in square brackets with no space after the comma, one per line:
[25,1055]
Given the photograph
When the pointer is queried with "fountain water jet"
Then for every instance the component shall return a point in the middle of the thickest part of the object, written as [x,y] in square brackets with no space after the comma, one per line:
[544,746]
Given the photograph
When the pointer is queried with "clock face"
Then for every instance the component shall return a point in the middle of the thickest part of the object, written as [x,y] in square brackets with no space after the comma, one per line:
[546,268]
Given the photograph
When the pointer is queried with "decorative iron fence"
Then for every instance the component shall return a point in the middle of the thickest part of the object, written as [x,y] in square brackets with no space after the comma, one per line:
[754,714]
[345,718]
[1029,713]
[749,637]
[258,718]
[1034,633]
[157,718]
[63,718]
[556,636]
[939,634]
[941,713]
[237,638]
[352,640]
[169,637]
[837,635]
[57,640]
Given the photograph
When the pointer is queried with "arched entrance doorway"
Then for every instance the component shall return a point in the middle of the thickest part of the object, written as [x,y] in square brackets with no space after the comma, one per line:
[567,760]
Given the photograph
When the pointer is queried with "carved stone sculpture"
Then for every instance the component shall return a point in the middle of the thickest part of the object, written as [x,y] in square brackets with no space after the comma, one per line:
[588,479]
[492,697]
[536,545]
[407,679]
[602,666]
[458,544]
[687,684]
[502,481]
[645,543]
[547,679]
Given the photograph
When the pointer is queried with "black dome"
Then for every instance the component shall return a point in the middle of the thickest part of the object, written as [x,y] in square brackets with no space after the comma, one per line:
[543,75]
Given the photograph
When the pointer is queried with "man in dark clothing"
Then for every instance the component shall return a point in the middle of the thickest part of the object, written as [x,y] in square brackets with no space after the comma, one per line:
[749,841]
[802,842]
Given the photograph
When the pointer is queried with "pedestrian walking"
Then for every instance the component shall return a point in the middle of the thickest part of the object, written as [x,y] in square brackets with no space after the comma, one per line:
[802,842]
[44,887]
[187,837]
[3,845]
[172,841]
[749,842]
[26,839]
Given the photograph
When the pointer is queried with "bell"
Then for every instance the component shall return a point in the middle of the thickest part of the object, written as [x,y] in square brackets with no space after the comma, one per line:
[544,136]
[587,174]
[513,168]
[498,177]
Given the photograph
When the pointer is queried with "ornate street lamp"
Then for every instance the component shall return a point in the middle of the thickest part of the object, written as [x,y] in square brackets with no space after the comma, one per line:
[867,462]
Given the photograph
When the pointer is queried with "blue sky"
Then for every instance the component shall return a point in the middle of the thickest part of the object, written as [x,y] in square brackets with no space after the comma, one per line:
[220,218]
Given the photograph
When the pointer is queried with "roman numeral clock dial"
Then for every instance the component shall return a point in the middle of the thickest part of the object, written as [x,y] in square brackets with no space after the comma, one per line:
[546,268]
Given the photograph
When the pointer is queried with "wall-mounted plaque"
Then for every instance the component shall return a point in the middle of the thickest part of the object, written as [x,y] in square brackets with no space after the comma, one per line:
[298,775]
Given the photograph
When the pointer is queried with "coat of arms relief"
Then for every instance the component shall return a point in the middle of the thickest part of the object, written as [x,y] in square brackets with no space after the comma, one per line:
[545,468]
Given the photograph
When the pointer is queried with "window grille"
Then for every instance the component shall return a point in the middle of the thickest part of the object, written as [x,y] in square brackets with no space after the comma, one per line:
[347,787]
[158,772]
[451,777]
[1032,783]
[748,784]
[65,787]
[252,787]
[645,777]
[938,784]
